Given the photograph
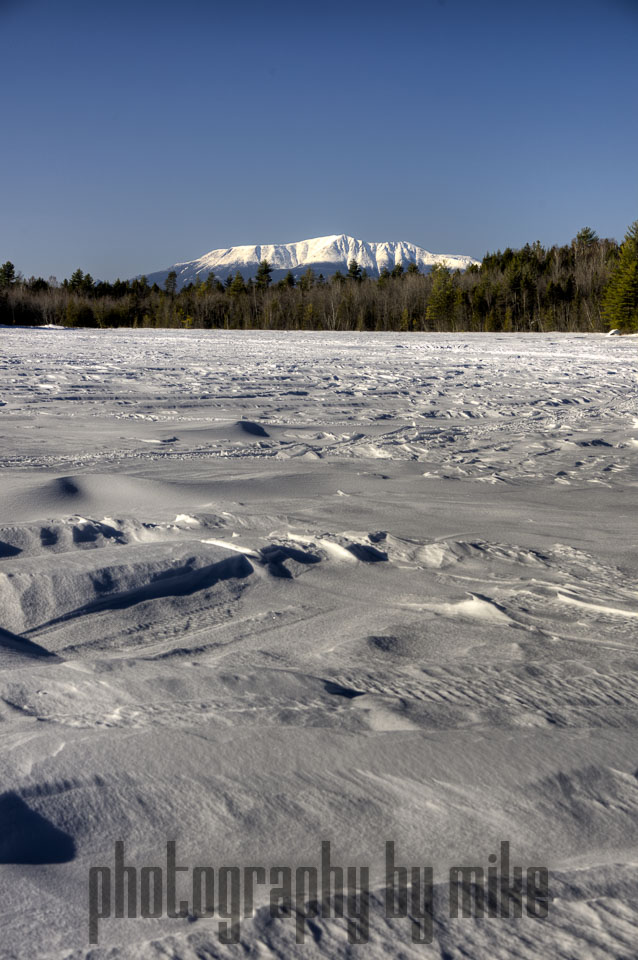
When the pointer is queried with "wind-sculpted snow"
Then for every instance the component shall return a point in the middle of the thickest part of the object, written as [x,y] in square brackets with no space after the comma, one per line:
[260,590]
[498,409]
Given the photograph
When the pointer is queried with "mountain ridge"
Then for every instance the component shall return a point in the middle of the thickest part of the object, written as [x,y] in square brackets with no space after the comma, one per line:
[323,254]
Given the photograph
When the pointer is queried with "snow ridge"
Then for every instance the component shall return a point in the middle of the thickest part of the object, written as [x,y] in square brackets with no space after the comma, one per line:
[324,254]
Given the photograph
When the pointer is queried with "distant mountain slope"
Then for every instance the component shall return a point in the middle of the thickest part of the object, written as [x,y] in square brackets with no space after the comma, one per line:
[324,254]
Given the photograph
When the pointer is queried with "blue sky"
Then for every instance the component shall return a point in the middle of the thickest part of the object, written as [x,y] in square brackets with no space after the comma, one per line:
[136,134]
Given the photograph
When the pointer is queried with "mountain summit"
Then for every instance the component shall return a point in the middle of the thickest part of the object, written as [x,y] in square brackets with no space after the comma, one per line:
[325,255]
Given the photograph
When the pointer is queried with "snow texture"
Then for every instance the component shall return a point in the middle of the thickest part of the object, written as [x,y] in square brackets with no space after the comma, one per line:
[264,589]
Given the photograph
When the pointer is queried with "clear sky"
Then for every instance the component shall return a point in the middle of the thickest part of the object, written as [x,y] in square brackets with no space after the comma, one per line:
[136,134]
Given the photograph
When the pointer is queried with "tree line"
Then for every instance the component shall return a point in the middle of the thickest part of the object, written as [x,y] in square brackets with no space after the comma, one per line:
[590,284]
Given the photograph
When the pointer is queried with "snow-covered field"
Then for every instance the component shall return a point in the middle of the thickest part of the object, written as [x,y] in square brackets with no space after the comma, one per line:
[260,590]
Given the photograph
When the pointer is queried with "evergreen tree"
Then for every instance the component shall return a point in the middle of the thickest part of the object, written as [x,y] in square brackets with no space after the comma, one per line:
[307,280]
[263,276]
[620,298]
[36,284]
[171,283]
[77,280]
[584,239]
[354,270]
[7,274]
[237,285]
[440,309]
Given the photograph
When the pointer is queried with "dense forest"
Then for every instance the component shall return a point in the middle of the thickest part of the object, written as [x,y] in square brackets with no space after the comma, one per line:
[589,285]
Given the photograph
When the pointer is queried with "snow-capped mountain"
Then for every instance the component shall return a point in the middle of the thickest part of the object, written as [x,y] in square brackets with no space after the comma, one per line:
[325,255]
